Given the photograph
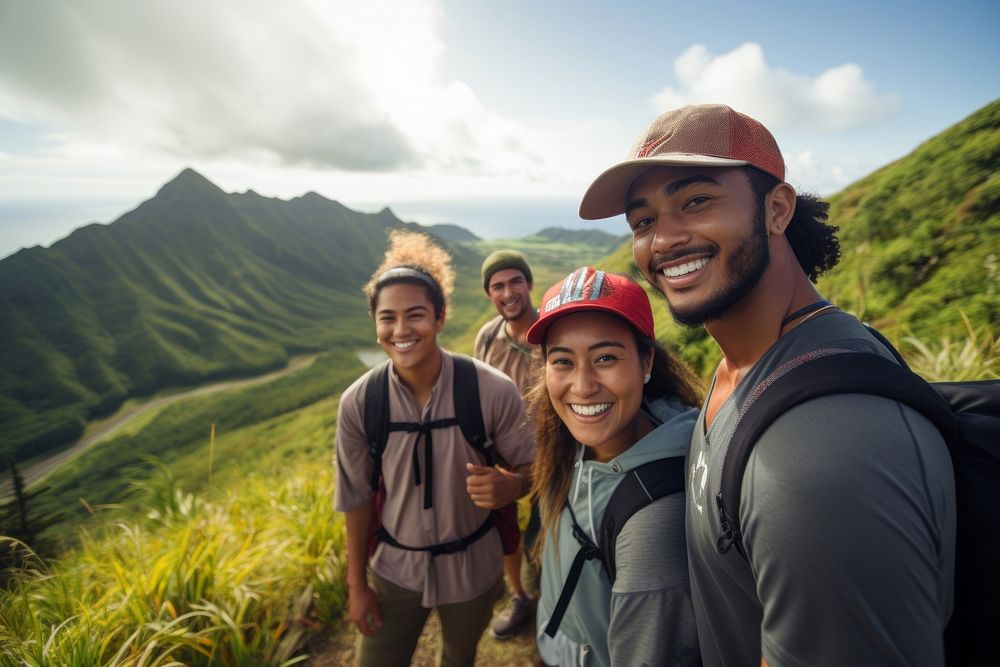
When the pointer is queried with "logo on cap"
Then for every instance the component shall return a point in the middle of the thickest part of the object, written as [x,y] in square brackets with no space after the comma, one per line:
[575,288]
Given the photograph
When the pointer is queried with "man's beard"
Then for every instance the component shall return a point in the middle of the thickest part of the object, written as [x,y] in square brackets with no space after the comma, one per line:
[522,308]
[744,269]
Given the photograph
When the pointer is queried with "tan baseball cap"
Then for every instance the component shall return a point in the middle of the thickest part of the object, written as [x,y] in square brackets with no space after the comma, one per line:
[709,135]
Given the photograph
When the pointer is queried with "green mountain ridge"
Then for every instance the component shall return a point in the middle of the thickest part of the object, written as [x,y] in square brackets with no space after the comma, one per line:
[193,284]
[449,232]
[592,237]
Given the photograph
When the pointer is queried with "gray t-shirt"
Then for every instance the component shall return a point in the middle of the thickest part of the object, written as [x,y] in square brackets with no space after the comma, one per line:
[652,581]
[848,516]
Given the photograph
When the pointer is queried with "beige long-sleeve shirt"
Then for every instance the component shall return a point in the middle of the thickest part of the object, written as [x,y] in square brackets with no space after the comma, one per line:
[443,579]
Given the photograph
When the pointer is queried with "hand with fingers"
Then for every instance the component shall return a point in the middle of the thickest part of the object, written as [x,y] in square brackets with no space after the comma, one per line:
[492,487]
[363,611]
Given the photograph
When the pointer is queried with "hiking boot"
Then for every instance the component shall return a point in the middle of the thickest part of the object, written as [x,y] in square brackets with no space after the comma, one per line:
[518,612]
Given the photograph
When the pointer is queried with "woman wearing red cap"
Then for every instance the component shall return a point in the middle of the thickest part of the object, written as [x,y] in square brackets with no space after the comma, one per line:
[613,412]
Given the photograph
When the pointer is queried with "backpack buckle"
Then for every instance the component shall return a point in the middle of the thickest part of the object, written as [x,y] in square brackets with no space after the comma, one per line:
[727,538]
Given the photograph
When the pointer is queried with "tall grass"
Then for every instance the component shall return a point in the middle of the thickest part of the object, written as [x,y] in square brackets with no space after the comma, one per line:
[196,581]
[974,357]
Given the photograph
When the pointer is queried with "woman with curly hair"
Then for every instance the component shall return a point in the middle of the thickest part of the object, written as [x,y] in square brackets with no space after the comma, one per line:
[611,400]
[437,546]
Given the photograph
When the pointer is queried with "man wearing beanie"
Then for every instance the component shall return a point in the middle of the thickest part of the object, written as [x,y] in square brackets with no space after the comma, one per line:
[501,343]
[830,539]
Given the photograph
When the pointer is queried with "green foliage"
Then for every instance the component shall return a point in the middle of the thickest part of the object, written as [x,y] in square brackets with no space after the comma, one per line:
[920,236]
[228,581]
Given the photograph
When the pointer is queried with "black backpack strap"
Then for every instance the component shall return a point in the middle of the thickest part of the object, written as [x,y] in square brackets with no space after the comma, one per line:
[468,409]
[588,551]
[822,373]
[445,548]
[377,418]
[640,487]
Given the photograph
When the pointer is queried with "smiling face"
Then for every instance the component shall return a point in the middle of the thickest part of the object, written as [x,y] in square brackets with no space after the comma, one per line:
[698,235]
[510,293]
[594,373]
[406,326]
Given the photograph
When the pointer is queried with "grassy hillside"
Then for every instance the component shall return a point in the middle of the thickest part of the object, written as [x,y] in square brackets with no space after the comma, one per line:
[921,236]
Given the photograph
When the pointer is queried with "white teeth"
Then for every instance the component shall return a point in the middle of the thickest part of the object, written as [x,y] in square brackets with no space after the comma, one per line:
[405,345]
[684,269]
[589,410]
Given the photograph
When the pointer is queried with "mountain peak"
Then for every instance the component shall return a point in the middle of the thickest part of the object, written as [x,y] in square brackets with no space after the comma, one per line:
[187,181]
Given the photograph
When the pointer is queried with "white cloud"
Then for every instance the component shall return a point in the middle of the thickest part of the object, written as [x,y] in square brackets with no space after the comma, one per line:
[340,85]
[837,100]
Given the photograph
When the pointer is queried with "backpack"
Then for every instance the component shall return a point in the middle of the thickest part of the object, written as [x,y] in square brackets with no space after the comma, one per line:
[968,416]
[640,487]
[468,417]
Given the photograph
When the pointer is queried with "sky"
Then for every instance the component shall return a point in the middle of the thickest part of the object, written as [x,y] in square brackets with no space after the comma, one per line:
[492,115]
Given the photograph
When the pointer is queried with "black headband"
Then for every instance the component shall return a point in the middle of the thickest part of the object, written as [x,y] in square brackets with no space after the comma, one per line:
[399,272]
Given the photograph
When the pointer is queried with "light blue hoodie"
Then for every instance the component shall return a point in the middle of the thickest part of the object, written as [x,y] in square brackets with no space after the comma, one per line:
[582,638]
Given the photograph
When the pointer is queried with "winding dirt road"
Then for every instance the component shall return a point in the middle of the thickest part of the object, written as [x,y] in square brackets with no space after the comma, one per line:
[35,472]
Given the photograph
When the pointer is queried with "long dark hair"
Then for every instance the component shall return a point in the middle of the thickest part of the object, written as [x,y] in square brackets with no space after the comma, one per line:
[814,241]
[555,447]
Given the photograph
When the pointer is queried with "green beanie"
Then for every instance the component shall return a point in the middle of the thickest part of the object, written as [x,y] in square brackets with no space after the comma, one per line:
[504,259]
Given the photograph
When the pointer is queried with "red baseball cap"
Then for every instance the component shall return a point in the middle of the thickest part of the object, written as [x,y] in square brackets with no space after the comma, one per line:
[708,135]
[590,289]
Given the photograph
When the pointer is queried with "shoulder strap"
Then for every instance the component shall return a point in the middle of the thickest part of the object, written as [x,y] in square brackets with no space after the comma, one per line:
[468,409]
[487,341]
[842,372]
[377,418]
[588,551]
[641,486]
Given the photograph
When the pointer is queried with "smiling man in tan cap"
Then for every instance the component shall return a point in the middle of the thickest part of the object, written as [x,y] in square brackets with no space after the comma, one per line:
[839,547]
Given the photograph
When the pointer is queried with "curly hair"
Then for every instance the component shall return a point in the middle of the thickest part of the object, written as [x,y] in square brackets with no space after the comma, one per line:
[413,250]
[814,241]
[555,447]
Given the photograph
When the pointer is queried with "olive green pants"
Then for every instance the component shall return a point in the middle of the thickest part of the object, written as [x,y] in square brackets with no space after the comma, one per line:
[392,645]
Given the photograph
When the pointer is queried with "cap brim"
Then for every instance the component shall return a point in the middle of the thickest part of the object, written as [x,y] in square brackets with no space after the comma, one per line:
[536,333]
[605,198]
